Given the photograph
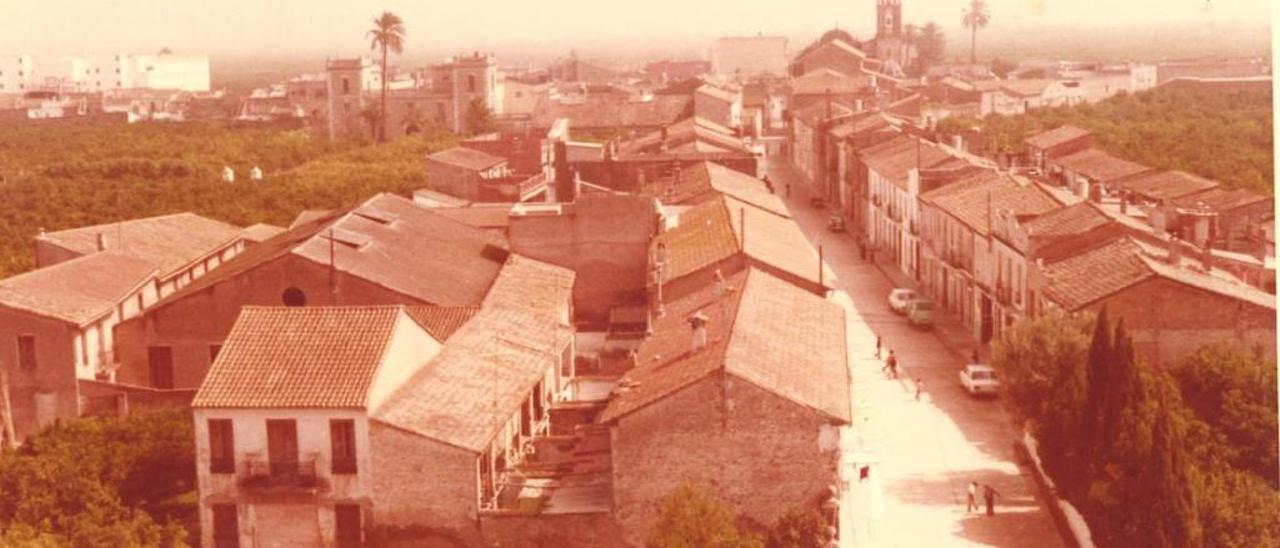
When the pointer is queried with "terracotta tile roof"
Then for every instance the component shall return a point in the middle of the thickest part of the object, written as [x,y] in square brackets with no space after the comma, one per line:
[712,231]
[776,241]
[716,93]
[78,291]
[1083,279]
[803,360]
[488,368]
[694,134]
[895,158]
[602,112]
[441,321]
[169,241]
[301,357]
[1066,221]
[261,232]
[1221,200]
[703,237]
[466,158]
[976,204]
[743,187]
[388,241]
[1165,185]
[1056,136]
[1099,166]
[816,113]
[308,215]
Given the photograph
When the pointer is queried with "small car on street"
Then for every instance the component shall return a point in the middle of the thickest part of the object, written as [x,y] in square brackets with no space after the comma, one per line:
[835,223]
[899,298]
[920,313]
[979,380]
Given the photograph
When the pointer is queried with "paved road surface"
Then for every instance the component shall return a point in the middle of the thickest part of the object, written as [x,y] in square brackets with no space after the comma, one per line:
[927,451]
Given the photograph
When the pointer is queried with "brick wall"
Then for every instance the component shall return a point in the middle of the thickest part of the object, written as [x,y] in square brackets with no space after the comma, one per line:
[1170,321]
[762,457]
[204,318]
[418,481]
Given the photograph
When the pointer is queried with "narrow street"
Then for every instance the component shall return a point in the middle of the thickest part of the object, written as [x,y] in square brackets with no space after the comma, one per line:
[923,453]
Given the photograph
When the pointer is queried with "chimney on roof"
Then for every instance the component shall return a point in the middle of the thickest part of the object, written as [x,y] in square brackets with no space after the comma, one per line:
[565,185]
[102,240]
[1175,251]
[699,324]
[857,105]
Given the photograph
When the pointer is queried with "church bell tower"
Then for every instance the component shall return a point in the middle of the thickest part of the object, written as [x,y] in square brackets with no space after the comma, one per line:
[888,18]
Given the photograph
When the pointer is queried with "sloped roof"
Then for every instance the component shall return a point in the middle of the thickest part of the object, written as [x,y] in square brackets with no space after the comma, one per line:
[599,111]
[1026,88]
[388,241]
[78,291]
[307,215]
[482,376]
[441,321]
[743,187]
[300,357]
[716,92]
[1057,136]
[1099,166]
[1070,220]
[171,242]
[804,361]
[695,131]
[493,216]
[1165,185]
[1221,200]
[1083,279]
[716,230]
[818,82]
[261,232]
[815,113]
[976,205]
[466,158]
[894,159]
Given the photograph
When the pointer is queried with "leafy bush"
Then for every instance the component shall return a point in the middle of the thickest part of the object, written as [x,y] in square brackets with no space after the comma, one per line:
[96,482]
[693,518]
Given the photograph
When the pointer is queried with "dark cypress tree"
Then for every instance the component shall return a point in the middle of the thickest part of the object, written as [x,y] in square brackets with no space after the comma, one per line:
[1172,508]
[1097,382]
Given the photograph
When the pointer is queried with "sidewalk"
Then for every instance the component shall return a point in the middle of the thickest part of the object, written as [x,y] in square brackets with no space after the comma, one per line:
[954,335]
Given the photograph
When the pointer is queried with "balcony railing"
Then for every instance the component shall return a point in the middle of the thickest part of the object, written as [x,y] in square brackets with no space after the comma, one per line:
[267,475]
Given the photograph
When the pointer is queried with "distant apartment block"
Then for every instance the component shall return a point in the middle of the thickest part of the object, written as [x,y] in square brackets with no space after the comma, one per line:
[119,71]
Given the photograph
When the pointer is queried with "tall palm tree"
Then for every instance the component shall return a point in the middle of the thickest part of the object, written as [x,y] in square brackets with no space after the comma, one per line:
[387,33]
[977,17]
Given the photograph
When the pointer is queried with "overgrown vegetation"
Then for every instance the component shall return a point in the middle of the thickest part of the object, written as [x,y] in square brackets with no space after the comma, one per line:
[1179,457]
[118,481]
[64,176]
[1222,135]
[692,517]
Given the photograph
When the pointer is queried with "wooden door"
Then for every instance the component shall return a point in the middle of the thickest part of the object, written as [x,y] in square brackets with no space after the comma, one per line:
[282,446]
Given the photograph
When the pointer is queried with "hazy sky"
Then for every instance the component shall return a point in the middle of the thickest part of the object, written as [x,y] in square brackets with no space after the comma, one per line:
[337,26]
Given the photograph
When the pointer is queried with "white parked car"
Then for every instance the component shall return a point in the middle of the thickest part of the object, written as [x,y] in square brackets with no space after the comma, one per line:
[899,299]
[979,379]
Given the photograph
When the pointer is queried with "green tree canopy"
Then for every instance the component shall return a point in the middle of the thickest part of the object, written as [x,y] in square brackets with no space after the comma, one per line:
[693,518]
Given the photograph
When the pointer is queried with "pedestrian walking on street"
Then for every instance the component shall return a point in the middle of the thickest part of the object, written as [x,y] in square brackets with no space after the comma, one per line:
[788,188]
[973,497]
[877,346]
[891,364]
[990,495]
[919,387]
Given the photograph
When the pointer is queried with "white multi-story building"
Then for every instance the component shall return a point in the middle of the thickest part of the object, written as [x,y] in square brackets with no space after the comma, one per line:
[15,73]
[117,71]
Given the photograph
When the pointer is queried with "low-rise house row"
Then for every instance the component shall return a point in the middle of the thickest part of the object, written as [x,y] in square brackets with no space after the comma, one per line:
[386,250]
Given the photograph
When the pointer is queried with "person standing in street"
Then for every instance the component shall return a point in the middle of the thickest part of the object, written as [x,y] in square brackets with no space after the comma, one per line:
[788,188]
[891,364]
[973,497]
[989,495]
[877,346]
[919,387]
